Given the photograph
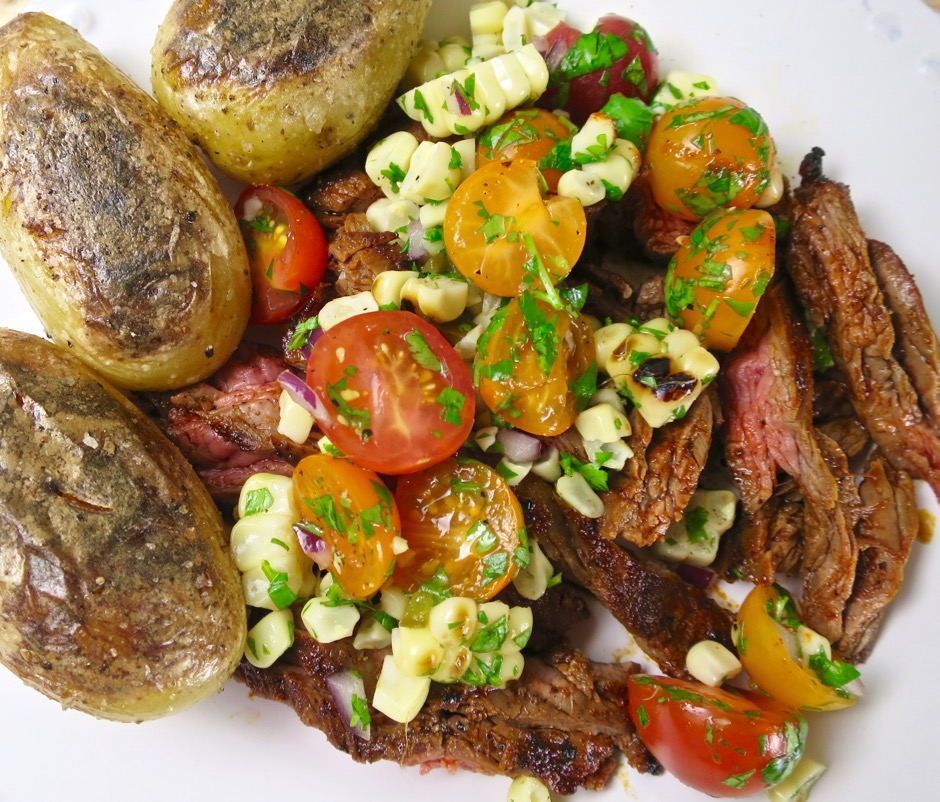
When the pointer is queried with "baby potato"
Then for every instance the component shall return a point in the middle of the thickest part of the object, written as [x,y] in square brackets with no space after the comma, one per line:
[112,223]
[118,596]
[273,91]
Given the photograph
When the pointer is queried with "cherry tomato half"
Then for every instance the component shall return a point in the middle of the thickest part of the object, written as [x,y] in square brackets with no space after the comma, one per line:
[536,382]
[355,513]
[525,133]
[287,250]
[708,153]
[497,223]
[719,273]
[762,647]
[720,743]
[395,396]
[460,517]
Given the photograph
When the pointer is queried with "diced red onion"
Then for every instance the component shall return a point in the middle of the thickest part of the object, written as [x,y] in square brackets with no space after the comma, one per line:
[312,338]
[314,546]
[695,575]
[518,446]
[417,246]
[343,686]
[462,103]
[300,391]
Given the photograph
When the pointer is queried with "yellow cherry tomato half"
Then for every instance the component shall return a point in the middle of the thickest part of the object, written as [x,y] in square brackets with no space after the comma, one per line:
[718,275]
[708,153]
[503,234]
[355,513]
[535,365]
[459,517]
[762,648]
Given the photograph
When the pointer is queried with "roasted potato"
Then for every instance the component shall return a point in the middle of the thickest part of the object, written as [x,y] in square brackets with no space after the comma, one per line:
[118,595]
[275,90]
[113,225]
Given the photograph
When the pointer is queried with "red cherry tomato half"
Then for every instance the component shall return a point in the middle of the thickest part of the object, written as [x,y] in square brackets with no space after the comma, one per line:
[395,395]
[720,743]
[287,250]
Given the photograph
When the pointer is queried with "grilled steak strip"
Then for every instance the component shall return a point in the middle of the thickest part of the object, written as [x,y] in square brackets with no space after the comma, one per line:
[664,614]
[831,269]
[564,721]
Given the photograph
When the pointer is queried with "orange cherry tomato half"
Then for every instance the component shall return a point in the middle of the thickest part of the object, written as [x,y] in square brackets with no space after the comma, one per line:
[708,153]
[762,639]
[503,234]
[395,396]
[287,250]
[526,133]
[536,383]
[721,743]
[462,518]
[355,513]
[719,273]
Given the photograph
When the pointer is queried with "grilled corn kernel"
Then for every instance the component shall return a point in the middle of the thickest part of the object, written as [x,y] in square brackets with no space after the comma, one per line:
[387,286]
[773,194]
[694,539]
[294,422]
[618,452]
[466,150]
[430,176]
[594,139]
[797,786]
[391,214]
[453,620]
[416,650]
[541,16]
[457,659]
[512,80]
[615,174]
[575,491]
[270,638]
[520,628]
[608,395]
[257,585]
[603,423]
[268,492]
[432,215]
[711,663]
[491,611]
[548,465]
[488,91]
[486,437]
[679,85]
[399,696]
[487,17]
[528,789]
[513,472]
[371,634]
[389,160]
[270,537]
[438,298]
[327,622]
[346,306]
[510,666]
[583,187]
[608,338]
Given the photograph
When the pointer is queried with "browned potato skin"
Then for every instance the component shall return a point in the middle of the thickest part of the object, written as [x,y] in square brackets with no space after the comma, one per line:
[118,595]
[275,90]
[112,223]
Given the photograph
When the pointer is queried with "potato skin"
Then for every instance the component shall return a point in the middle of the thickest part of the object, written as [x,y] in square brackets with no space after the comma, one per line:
[275,90]
[113,225]
[118,596]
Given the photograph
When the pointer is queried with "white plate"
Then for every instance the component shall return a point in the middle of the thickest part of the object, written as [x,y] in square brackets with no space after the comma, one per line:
[861,78]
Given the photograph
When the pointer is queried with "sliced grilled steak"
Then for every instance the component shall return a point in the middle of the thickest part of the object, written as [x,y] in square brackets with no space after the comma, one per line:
[564,721]
[664,614]
[338,192]
[831,269]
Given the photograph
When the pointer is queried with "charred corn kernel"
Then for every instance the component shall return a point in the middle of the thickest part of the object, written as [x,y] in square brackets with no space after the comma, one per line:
[594,139]
[608,395]
[438,298]
[425,65]
[694,539]
[466,150]
[486,437]
[432,215]
[608,338]
[491,611]
[583,187]
[774,192]
[372,635]
[327,622]
[455,51]
[294,422]
[457,659]
[520,628]
[391,214]
[548,465]
[389,161]
[416,651]
[430,176]
[513,472]
[602,422]
[659,327]
[399,696]
[393,601]
[267,492]
[528,789]
[809,642]
[797,787]
[450,104]
[679,86]
[617,453]
[345,307]
[575,491]
[270,638]
[511,665]
[711,663]
[630,152]
[453,620]
[387,286]
[270,537]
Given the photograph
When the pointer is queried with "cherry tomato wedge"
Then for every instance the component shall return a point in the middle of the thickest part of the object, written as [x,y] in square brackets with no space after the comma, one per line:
[536,382]
[718,742]
[719,273]
[395,396]
[708,153]
[460,517]
[501,233]
[526,133]
[355,513]
[764,653]
[287,250]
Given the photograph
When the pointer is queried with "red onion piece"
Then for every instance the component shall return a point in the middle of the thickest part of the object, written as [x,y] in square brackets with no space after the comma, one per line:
[312,338]
[417,247]
[300,391]
[314,546]
[462,103]
[695,575]
[343,686]
[518,446]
